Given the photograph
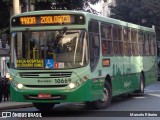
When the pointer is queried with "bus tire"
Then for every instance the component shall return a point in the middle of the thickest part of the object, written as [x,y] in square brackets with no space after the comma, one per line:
[142,85]
[44,106]
[107,96]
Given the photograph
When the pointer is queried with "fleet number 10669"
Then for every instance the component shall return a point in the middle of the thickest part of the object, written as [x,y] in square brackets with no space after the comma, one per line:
[63,80]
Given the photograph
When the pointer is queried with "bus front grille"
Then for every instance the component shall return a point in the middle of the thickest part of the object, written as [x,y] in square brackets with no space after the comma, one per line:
[45,74]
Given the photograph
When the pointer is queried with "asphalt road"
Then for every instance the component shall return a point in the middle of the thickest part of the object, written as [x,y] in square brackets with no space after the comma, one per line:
[146,107]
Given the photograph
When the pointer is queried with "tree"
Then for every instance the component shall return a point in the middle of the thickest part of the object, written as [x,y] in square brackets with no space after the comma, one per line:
[57,4]
[4,16]
[65,4]
[44,5]
[142,12]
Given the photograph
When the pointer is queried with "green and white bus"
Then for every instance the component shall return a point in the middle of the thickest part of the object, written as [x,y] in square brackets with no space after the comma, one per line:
[62,56]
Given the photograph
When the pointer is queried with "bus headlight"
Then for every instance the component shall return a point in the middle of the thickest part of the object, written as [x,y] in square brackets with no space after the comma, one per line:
[17,85]
[20,86]
[71,85]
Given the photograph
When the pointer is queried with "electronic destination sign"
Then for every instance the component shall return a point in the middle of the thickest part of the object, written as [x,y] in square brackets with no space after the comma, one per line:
[40,20]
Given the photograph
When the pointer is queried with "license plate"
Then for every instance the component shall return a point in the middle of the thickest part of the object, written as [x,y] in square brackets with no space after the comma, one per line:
[44,96]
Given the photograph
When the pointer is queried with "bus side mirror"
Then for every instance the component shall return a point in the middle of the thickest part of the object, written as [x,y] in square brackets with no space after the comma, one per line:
[4,40]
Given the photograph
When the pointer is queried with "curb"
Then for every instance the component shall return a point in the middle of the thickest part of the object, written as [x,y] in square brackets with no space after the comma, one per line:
[7,107]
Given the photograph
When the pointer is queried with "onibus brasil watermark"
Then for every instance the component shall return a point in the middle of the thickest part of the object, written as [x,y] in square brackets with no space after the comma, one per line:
[20,115]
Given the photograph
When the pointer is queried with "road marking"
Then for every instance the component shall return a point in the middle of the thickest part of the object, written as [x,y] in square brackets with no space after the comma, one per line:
[148,90]
[155,95]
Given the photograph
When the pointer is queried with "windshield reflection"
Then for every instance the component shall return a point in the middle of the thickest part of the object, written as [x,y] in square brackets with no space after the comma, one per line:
[50,49]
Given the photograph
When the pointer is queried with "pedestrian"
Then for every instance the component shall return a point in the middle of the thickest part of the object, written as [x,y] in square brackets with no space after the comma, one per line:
[5,89]
[0,90]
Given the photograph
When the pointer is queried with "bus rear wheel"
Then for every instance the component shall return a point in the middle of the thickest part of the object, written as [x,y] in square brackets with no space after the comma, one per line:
[44,106]
[142,85]
[107,96]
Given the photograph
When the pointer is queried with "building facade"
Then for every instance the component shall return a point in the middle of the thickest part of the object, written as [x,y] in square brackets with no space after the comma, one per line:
[106,8]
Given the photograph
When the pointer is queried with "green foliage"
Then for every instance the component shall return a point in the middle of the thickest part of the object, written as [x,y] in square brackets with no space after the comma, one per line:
[63,4]
[41,5]
[4,15]
[142,12]
[57,4]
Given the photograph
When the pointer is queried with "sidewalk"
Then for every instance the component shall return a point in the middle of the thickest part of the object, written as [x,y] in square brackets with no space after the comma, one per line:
[13,105]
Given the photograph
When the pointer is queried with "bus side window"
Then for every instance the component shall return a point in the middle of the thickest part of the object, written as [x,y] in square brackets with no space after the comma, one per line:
[94,43]
[117,39]
[106,39]
[144,52]
[134,42]
[153,44]
[96,46]
[104,47]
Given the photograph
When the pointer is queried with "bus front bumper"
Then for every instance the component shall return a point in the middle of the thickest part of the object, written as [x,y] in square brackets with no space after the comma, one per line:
[55,95]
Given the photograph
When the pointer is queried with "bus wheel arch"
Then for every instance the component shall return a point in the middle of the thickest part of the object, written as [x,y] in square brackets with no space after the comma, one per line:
[107,95]
[108,79]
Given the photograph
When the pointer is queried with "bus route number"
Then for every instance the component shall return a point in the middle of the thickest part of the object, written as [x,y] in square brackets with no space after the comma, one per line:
[63,80]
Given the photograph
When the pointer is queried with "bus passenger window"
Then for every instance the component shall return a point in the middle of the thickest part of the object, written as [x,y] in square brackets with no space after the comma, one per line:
[152,44]
[134,42]
[143,39]
[117,39]
[94,50]
[104,48]
[140,43]
[106,39]
[94,44]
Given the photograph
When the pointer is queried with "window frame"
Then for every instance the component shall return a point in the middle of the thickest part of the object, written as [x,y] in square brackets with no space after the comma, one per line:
[94,63]
[106,40]
[118,40]
[134,42]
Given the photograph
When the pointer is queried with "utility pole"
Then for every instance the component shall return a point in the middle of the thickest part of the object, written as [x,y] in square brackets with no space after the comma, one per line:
[16,7]
[17,10]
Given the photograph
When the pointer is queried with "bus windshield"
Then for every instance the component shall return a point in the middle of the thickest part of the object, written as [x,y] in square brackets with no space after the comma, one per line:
[49,49]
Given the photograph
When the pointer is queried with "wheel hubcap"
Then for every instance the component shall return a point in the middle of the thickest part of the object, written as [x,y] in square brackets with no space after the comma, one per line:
[105,95]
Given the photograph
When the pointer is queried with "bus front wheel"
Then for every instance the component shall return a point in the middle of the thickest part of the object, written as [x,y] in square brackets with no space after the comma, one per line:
[44,106]
[107,96]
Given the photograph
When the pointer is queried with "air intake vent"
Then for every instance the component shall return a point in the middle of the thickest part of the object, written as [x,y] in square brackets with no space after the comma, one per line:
[45,74]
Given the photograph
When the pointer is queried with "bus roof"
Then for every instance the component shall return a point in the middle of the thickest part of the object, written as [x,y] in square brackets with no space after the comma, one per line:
[90,16]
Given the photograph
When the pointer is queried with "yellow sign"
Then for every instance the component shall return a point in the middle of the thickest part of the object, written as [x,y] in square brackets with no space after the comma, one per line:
[48,19]
[55,19]
[28,20]
[30,63]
